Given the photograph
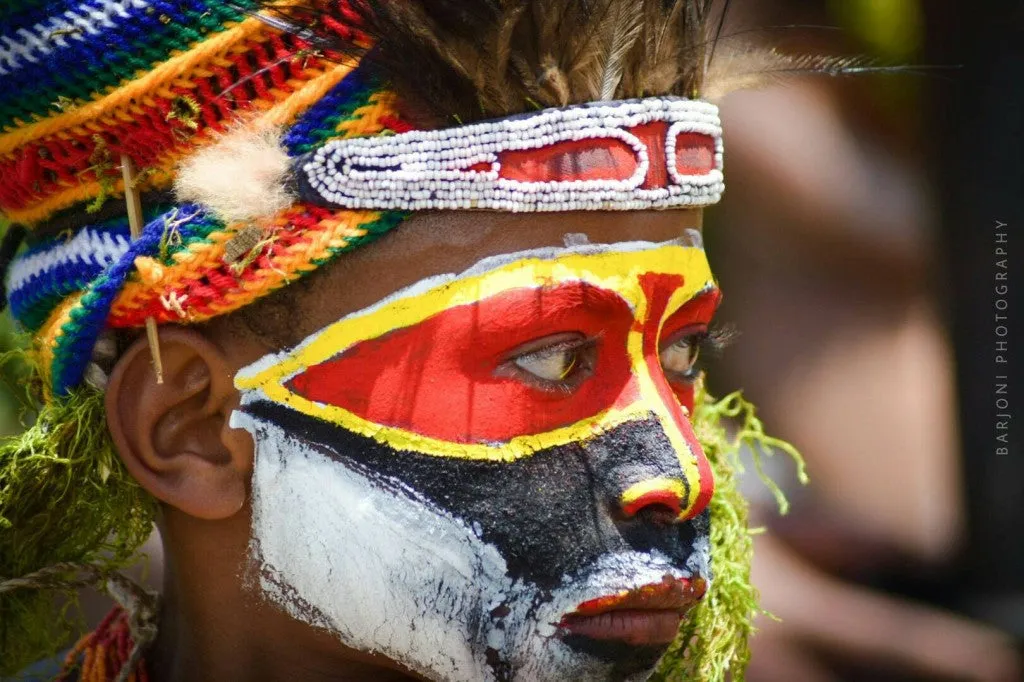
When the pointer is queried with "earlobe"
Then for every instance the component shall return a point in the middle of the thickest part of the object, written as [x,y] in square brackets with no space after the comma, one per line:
[174,437]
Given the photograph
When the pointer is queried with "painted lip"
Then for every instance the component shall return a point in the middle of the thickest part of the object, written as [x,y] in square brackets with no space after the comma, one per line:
[646,615]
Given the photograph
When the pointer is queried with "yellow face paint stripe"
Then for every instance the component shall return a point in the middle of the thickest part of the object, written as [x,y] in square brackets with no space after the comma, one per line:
[651,396]
[613,270]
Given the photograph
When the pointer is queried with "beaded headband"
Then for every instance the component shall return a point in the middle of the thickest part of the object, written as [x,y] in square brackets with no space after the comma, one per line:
[631,155]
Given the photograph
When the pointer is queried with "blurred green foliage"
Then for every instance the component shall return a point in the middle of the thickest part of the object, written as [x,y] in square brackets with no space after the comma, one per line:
[891,29]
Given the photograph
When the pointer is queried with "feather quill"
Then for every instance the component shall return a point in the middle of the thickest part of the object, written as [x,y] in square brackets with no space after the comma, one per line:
[624,25]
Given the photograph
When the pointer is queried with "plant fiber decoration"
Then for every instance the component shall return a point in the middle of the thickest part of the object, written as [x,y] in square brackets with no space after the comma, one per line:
[70,515]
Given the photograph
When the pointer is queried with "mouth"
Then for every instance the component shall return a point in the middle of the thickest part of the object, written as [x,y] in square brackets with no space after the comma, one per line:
[645,616]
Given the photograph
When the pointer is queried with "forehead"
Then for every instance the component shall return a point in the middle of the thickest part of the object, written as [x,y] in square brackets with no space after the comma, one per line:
[434,243]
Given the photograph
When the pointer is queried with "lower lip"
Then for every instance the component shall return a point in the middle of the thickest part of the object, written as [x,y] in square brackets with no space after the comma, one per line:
[635,627]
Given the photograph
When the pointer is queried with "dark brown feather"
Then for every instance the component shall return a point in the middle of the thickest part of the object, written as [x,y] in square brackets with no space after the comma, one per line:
[456,61]
[464,60]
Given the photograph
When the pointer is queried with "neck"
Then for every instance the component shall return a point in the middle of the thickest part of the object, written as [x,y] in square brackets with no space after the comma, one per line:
[215,627]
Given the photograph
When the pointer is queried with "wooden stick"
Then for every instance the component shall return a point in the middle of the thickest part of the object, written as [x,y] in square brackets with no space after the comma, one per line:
[134,204]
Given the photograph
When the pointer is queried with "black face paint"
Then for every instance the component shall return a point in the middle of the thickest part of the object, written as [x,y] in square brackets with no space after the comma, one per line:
[550,515]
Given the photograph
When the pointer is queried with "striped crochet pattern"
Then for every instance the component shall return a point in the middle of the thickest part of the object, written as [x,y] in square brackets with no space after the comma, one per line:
[155,80]
[57,268]
[69,156]
[73,52]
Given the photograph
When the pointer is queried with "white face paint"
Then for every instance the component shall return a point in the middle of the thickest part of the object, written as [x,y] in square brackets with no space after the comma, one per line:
[377,556]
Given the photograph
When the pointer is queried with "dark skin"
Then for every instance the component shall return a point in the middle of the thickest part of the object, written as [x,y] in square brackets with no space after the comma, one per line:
[175,440]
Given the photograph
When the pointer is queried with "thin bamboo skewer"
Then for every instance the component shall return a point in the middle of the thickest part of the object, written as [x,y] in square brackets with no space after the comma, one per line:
[134,204]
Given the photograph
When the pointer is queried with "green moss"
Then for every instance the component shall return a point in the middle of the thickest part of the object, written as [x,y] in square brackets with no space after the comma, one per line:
[713,643]
[65,497]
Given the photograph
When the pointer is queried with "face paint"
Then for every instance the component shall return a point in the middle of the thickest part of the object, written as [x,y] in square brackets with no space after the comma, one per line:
[486,476]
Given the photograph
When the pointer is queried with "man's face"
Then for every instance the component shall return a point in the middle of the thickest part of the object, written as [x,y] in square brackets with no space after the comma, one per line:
[492,474]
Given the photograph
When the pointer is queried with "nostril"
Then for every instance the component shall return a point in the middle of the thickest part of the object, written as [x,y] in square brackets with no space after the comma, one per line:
[659,495]
[658,515]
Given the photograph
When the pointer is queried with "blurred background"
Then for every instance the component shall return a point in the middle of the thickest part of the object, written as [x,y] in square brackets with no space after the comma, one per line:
[858,247]
[858,251]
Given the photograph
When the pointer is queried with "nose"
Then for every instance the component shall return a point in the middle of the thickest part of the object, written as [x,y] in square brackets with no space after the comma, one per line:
[695,488]
[645,476]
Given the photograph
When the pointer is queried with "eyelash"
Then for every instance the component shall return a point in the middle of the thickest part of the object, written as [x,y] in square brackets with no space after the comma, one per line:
[714,339]
[717,338]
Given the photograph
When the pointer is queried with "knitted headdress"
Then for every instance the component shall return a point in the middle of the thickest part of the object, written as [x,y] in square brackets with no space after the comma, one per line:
[236,127]
[155,81]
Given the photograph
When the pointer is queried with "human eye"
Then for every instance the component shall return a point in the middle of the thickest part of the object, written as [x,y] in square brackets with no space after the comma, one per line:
[555,363]
[680,354]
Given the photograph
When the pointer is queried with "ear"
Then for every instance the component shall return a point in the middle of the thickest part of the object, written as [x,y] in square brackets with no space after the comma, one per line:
[174,437]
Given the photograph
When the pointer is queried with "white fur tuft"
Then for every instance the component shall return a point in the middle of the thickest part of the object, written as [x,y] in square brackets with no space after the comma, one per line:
[242,177]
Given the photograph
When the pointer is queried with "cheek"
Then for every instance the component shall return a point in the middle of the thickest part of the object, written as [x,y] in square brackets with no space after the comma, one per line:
[344,549]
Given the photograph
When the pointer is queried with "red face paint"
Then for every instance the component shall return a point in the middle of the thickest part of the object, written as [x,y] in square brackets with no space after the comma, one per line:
[440,378]
[658,288]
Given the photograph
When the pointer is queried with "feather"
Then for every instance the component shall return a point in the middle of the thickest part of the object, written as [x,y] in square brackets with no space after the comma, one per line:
[624,24]
[552,83]
[457,61]
[503,47]
[749,66]
[485,58]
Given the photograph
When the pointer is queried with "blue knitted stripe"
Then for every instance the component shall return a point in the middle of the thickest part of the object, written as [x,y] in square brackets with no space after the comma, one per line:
[195,229]
[89,318]
[320,120]
[115,226]
[32,306]
[32,302]
[25,15]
